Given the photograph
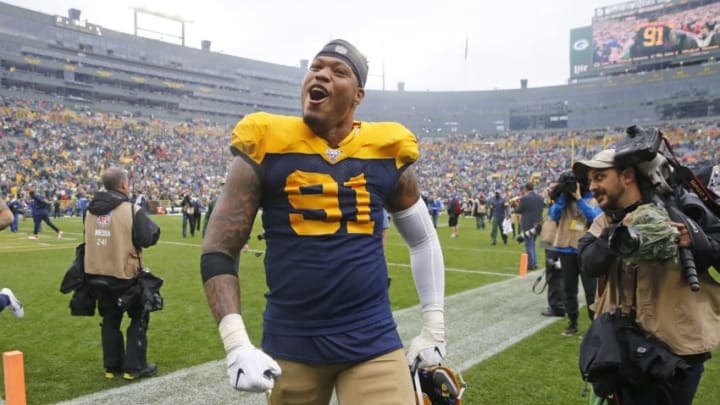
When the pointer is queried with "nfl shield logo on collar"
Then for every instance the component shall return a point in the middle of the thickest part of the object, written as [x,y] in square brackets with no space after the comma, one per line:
[333,154]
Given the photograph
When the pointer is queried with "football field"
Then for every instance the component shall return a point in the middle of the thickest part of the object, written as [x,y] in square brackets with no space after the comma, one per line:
[508,352]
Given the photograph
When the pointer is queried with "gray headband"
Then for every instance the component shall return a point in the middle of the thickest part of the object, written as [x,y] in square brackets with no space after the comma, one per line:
[344,50]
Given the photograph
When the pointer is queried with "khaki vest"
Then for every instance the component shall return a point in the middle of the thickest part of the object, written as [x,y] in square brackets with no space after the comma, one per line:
[109,250]
[688,322]
[572,226]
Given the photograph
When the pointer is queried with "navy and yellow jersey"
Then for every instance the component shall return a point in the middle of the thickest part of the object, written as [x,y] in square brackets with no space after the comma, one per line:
[652,38]
[322,217]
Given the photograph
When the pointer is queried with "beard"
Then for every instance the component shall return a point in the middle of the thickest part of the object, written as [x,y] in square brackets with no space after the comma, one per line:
[316,124]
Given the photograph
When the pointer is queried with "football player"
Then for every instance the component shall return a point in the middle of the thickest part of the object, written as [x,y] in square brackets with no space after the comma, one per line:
[322,181]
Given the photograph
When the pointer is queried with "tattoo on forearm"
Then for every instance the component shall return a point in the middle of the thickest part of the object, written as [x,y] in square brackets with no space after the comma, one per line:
[223,295]
[234,214]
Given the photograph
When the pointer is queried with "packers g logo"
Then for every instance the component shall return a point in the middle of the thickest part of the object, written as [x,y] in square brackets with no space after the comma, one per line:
[581,45]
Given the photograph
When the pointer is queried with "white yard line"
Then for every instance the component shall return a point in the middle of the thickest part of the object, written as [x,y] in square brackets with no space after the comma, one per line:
[480,323]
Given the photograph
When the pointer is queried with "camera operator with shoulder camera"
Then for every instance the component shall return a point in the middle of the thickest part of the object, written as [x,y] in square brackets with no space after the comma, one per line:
[574,210]
[644,281]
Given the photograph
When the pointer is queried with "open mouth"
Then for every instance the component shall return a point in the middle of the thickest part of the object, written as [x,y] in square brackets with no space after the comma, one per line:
[318,93]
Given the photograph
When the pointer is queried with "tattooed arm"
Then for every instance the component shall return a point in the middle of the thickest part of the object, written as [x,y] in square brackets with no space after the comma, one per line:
[228,231]
[248,368]
[406,192]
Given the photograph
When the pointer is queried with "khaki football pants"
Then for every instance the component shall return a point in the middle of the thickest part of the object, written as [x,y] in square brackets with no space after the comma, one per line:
[384,380]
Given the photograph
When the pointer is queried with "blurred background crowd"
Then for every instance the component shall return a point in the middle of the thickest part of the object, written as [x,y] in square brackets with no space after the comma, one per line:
[61,153]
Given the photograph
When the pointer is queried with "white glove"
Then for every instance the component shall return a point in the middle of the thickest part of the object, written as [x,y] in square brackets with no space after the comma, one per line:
[248,367]
[428,348]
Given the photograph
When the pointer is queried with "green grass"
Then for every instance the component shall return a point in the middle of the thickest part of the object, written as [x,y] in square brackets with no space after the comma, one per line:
[63,357]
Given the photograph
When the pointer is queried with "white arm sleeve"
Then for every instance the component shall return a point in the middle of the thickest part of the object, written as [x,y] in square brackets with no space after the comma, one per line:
[426,258]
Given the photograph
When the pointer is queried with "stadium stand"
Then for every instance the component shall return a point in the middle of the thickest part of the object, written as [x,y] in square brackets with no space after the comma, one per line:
[81,64]
[77,97]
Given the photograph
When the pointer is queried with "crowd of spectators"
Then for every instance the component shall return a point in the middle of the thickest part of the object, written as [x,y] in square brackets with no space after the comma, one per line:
[479,165]
[62,152]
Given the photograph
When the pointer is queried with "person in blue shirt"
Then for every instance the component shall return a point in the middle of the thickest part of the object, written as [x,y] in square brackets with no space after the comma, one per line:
[16,206]
[82,203]
[574,210]
[435,208]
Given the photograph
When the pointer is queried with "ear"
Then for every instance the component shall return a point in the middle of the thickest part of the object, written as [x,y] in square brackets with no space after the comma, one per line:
[359,96]
[628,175]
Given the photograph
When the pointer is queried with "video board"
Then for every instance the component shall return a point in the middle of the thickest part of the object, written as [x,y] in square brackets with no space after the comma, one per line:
[646,32]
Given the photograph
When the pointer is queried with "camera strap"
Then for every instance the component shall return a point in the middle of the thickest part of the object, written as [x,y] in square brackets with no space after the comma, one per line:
[692,181]
[132,235]
[542,278]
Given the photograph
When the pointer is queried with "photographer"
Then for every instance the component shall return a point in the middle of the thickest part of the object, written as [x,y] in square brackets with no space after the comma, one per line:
[530,207]
[116,232]
[654,294]
[553,272]
[479,210]
[574,210]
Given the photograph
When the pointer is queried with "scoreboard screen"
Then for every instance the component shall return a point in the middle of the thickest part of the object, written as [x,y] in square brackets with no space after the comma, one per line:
[646,32]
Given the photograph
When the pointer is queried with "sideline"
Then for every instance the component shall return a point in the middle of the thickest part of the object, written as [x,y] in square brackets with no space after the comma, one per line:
[480,323]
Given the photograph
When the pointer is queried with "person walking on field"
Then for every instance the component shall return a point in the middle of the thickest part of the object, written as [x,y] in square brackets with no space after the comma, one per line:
[41,213]
[498,212]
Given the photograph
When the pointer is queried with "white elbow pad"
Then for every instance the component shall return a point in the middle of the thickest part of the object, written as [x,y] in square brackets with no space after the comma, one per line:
[426,258]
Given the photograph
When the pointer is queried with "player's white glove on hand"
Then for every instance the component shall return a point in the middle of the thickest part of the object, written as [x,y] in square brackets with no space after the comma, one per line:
[428,348]
[248,367]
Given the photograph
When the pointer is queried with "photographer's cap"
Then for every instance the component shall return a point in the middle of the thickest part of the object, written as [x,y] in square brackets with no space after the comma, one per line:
[602,160]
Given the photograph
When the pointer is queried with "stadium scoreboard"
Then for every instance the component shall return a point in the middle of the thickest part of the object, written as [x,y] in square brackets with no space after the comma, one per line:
[644,34]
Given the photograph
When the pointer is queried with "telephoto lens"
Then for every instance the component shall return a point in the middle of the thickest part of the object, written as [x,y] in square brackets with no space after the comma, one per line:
[527,234]
[625,241]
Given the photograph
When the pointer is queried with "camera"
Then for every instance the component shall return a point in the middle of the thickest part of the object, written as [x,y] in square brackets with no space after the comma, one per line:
[695,209]
[641,149]
[640,145]
[553,264]
[529,233]
[625,241]
[566,184]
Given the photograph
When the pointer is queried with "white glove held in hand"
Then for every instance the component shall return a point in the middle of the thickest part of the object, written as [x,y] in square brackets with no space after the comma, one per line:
[428,348]
[248,368]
